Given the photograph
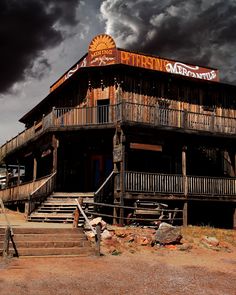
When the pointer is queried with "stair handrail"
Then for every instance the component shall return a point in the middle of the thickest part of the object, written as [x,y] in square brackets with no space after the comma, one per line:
[30,199]
[104,183]
[8,234]
[6,218]
[85,217]
[96,232]
[41,185]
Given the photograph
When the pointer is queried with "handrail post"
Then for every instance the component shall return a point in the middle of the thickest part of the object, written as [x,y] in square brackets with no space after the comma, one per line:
[6,242]
[98,239]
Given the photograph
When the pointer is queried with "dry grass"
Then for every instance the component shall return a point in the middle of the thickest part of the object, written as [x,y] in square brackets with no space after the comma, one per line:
[191,233]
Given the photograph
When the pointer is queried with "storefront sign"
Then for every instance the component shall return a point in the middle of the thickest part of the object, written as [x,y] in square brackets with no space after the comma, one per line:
[102,52]
[164,65]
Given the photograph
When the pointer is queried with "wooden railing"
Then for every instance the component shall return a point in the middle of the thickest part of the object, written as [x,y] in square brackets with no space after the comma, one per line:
[37,196]
[159,116]
[21,192]
[215,186]
[8,234]
[125,112]
[99,115]
[173,184]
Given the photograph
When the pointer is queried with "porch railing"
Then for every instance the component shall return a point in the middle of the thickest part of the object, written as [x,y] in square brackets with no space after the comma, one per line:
[21,192]
[126,111]
[141,182]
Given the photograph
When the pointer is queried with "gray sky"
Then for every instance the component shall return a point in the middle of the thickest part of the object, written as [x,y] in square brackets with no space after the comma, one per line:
[41,39]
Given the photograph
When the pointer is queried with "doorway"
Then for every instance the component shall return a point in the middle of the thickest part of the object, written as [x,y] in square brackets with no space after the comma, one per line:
[102,166]
[103,110]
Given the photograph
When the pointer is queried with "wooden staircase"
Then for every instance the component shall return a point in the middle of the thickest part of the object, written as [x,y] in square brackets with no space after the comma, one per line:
[60,208]
[49,242]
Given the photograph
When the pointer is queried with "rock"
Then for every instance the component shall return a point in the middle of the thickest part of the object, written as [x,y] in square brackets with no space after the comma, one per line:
[95,221]
[185,247]
[210,241]
[103,225]
[142,241]
[90,235]
[121,234]
[168,234]
[106,235]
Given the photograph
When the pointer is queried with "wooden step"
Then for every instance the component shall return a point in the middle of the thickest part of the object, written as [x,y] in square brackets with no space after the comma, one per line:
[50,242]
[75,195]
[55,251]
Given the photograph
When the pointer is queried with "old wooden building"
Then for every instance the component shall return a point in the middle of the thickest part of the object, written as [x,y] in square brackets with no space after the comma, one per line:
[138,126]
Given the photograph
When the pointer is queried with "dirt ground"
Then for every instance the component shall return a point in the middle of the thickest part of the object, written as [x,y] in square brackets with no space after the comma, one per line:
[129,267]
[159,272]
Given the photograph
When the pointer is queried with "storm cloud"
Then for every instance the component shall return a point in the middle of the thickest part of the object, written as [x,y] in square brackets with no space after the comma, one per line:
[27,28]
[194,31]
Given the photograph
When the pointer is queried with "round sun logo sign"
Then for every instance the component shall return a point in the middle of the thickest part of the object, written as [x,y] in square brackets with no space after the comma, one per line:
[102,42]
[102,51]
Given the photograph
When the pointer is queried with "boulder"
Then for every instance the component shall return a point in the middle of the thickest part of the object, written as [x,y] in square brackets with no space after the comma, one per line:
[106,235]
[95,221]
[168,234]
[210,241]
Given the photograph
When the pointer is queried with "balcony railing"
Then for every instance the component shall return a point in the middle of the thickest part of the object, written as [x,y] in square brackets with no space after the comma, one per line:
[156,183]
[125,112]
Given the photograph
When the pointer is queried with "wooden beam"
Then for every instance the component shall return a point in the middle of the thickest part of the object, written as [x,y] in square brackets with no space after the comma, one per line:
[146,147]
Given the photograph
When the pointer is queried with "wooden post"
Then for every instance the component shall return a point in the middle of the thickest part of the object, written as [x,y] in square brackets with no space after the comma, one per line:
[7,176]
[18,174]
[184,172]
[77,213]
[55,146]
[185,213]
[35,169]
[27,209]
[98,239]
[6,242]
[234,219]
[76,218]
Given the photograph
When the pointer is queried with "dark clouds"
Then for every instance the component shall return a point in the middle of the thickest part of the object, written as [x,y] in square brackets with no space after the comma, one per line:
[194,31]
[27,27]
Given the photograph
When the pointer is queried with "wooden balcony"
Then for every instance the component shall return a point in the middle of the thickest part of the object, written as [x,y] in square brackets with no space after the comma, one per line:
[170,184]
[123,112]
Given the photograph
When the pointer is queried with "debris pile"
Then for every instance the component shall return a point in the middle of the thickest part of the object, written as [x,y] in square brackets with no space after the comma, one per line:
[115,240]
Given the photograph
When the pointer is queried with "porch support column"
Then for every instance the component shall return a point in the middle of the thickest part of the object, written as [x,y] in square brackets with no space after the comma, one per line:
[119,169]
[7,176]
[55,146]
[35,168]
[234,218]
[18,174]
[185,186]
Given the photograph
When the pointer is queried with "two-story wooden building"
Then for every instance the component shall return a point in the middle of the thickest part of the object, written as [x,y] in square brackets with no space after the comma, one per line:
[166,129]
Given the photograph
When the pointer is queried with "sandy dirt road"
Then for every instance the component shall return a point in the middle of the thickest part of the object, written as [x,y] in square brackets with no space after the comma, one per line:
[160,271]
